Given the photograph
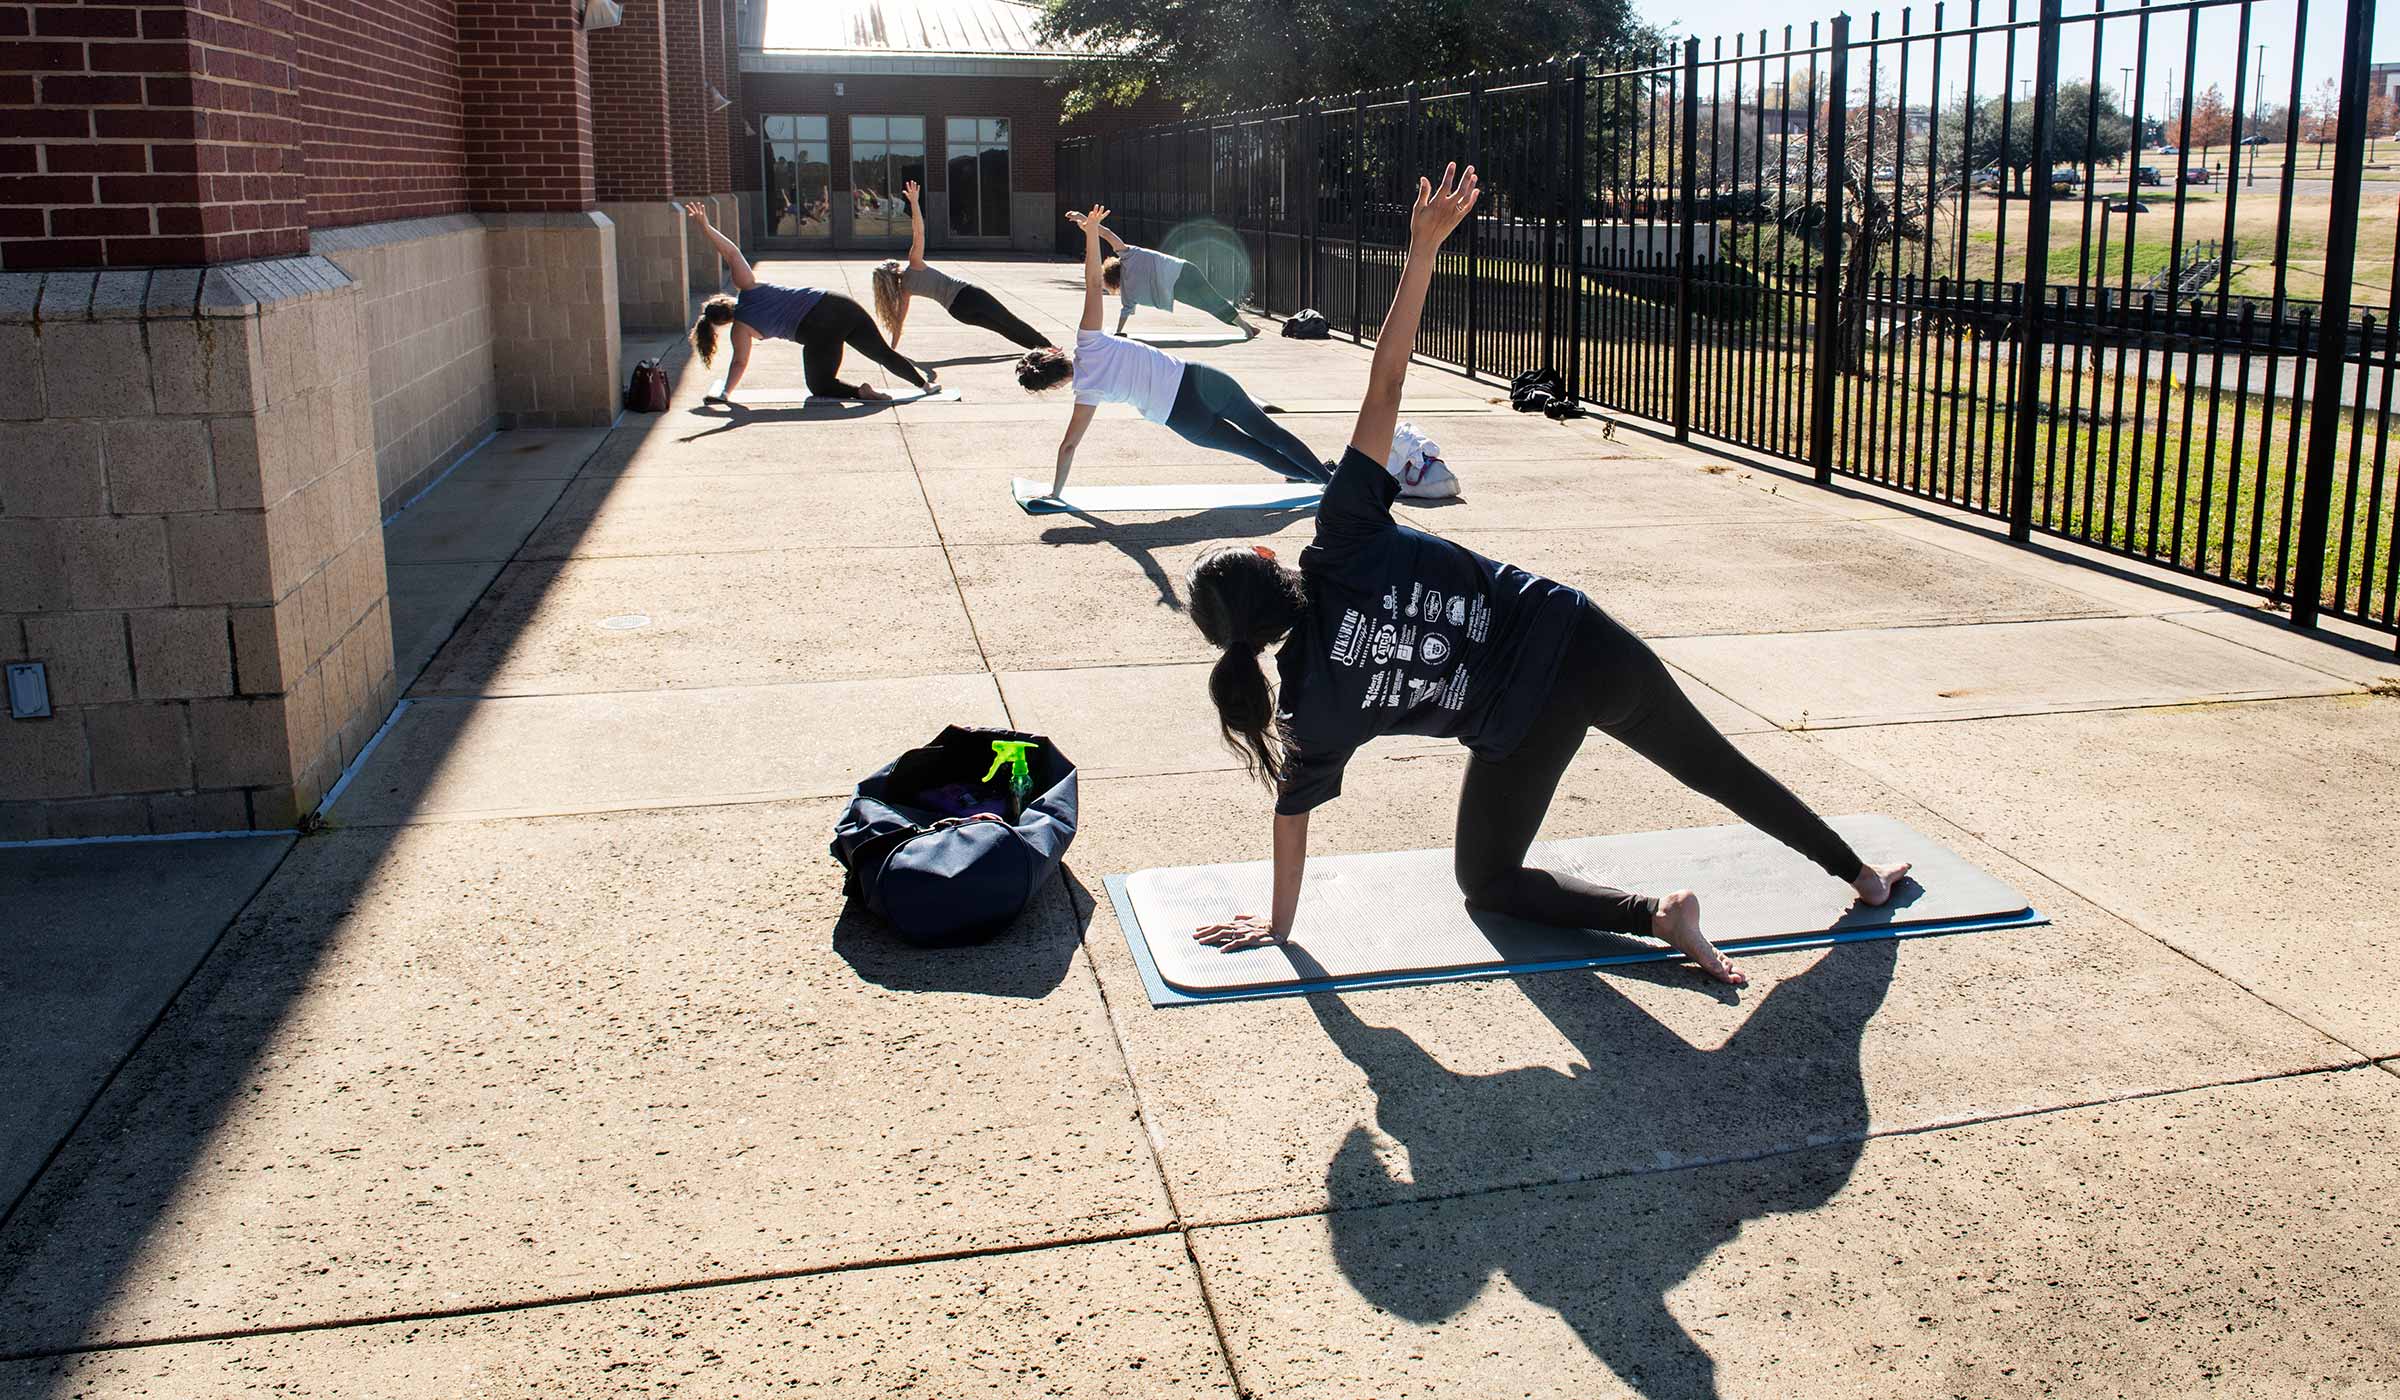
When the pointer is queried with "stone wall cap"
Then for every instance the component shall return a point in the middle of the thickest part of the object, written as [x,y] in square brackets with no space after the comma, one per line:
[561,219]
[121,294]
[20,294]
[67,296]
[240,289]
[351,237]
[174,292]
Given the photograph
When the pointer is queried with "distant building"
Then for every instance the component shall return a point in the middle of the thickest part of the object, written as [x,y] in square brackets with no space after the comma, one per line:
[2383,80]
[844,100]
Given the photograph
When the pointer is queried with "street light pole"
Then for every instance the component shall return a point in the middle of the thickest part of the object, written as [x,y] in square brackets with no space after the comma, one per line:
[2258,116]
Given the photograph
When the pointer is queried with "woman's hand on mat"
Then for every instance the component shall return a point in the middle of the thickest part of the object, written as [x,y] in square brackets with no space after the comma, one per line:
[1239,932]
[1439,210]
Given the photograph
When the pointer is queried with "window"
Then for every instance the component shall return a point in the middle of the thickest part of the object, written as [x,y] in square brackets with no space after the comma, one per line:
[884,153]
[978,176]
[799,178]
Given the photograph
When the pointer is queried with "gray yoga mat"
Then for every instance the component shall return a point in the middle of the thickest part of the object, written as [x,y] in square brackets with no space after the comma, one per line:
[1165,336]
[1387,919]
[1035,497]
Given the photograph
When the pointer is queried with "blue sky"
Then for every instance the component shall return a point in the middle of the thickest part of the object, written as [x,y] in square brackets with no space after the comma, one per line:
[2271,24]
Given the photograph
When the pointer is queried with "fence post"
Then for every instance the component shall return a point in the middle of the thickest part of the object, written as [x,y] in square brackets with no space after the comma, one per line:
[1549,356]
[1578,192]
[1829,254]
[1474,225]
[1358,207]
[1687,215]
[1312,122]
[2031,309]
[2333,325]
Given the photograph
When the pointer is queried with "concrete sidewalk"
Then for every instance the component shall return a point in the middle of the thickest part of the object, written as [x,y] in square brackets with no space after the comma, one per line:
[555,1066]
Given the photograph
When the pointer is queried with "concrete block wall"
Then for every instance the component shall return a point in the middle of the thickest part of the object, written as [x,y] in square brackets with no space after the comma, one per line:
[652,263]
[555,320]
[425,308]
[190,541]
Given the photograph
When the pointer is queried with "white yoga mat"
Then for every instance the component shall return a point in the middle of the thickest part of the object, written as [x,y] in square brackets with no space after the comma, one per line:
[1035,497]
[1395,918]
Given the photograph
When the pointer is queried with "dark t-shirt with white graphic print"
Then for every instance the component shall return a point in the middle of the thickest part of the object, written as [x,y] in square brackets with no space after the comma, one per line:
[1407,633]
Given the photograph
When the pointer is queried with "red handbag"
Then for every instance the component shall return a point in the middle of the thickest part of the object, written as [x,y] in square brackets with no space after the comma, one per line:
[649,390]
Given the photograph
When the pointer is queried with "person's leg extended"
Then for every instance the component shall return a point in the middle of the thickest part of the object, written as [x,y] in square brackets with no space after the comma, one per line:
[1195,421]
[982,310]
[1636,701]
[1193,289]
[1231,405]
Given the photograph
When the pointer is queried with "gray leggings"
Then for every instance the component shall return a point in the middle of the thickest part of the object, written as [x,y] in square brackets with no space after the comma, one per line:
[1212,410]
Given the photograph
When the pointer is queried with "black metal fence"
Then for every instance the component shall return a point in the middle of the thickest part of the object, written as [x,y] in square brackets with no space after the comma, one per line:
[1950,258]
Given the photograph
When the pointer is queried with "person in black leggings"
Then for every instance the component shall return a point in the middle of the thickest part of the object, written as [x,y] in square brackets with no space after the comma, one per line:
[1202,404]
[898,283]
[1387,630]
[825,323]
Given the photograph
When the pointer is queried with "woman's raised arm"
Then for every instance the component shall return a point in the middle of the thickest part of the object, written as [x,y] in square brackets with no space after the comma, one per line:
[1437,212]
[916,227]
[743,278]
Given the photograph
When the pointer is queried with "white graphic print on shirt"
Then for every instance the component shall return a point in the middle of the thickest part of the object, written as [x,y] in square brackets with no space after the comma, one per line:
[1349,644]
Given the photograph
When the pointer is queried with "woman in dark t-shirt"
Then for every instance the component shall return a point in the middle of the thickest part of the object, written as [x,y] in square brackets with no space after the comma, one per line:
[1387,630]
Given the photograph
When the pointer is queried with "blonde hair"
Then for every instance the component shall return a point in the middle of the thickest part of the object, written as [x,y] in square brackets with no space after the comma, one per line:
[891,295]
[714,312]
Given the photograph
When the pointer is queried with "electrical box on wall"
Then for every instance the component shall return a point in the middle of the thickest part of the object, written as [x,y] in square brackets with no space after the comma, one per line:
[28,690]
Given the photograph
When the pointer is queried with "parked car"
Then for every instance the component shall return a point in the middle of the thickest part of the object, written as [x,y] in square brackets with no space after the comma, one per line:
[2169,151]
[2197,175]
[1988,178]
[2148,175]
[2065,180]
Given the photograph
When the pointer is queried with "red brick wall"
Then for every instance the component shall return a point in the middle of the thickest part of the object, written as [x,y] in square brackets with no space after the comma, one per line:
[136,135]
[747,174]
[687,97]
[383,117]
[1031,104]
[719,79]
[527,82]
[632,139]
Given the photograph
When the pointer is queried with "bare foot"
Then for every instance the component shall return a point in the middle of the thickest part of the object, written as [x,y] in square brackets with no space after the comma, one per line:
[868,393]
[1875,883]
[1678,922]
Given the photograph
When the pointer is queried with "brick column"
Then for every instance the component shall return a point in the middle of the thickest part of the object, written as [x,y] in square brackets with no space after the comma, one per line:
[633,164]
[137,136]
[741,141]
[688,112]
[716,28]
[525,75]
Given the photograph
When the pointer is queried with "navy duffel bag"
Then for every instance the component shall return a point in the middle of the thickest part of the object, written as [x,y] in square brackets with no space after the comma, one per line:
[940,847]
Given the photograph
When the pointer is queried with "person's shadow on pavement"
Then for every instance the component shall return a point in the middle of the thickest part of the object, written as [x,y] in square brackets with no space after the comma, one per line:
[1789,1077]
[1141,542]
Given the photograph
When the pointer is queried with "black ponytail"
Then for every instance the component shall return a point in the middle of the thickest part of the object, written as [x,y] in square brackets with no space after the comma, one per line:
[714,312]
[1244,602]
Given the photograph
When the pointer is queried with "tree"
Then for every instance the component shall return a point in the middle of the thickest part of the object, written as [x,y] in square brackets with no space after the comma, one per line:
[1986,142]
[1875,217]
[2212,120]
[2324,109]
[1226,55]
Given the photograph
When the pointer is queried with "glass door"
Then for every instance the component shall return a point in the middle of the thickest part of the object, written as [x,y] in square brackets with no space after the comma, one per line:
[799,178]
[884,153]
[978,170]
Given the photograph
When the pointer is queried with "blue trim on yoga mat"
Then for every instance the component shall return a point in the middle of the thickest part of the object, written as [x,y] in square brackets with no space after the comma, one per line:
[1163,995]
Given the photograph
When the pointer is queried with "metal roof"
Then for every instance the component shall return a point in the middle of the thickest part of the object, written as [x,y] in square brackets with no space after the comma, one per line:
[898,28]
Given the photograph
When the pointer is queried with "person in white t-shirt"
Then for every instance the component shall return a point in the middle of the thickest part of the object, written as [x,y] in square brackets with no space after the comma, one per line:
[1201,403]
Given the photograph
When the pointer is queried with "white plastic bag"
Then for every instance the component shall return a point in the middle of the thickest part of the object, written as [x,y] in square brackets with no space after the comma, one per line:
[1416,461]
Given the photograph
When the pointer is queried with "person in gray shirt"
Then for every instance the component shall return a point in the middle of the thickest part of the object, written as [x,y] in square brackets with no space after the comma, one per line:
[897,283]
[1146,277]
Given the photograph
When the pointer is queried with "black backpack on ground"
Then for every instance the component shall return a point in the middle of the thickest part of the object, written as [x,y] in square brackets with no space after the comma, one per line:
[1536,389]
[942,880]
[1307,325]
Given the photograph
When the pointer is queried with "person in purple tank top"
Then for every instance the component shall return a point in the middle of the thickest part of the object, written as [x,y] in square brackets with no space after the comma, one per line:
[825,323]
